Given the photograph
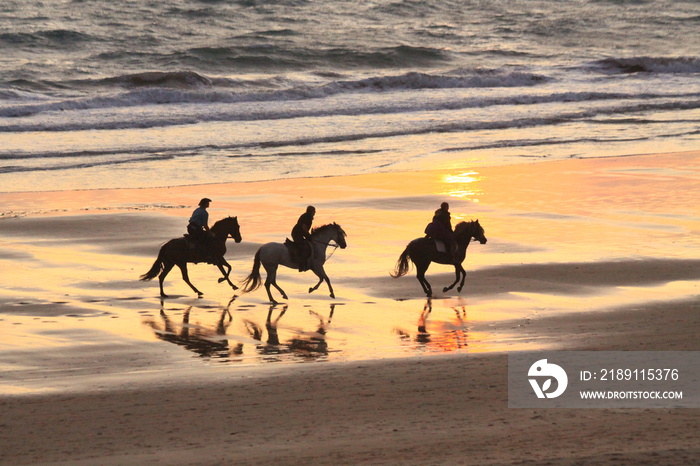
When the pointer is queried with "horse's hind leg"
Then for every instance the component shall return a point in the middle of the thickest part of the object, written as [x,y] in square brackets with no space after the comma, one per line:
[420,275]
[167,267]
[272,280]
[186,277]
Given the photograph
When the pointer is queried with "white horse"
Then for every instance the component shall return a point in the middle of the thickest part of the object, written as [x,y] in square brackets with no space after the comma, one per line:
[272,255]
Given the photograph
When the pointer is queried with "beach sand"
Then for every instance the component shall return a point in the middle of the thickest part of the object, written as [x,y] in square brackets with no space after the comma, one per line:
[595,254]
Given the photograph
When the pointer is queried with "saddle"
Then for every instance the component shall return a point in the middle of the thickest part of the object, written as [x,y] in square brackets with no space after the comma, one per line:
[433,231]
[295,252]
[440,245]
[204,254]
[191,242]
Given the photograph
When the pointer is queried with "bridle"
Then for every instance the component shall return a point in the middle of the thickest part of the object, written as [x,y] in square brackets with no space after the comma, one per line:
[333,243]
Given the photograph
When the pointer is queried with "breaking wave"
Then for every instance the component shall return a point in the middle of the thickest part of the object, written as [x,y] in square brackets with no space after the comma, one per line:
[657,65]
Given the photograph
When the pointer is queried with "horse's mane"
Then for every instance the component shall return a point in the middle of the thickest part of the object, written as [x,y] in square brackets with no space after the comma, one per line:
[328,226]
[227,219]
[220,225]
[463,228]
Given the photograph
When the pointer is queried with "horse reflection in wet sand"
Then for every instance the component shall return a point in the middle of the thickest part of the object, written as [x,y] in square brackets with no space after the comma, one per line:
[452,336]
[308,345]
[179,252]
[423,251]
[213,342]
[206,342]
[272,255]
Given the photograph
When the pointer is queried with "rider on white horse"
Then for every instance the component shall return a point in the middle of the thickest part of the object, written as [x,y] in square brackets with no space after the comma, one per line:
[301,234]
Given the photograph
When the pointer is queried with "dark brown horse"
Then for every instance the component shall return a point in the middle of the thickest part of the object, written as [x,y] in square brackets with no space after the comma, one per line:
[179,251]
[422,251]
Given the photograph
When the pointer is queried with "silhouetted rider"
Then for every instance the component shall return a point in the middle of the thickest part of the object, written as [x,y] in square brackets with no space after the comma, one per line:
[441,228]
[301,234]
[443,216]
[198,228]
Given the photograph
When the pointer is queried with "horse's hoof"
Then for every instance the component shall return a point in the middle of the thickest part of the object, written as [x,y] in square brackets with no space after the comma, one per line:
[200,294]
[445,290]
[284,296]
[459,290]
[221,279]
[311,290]
[333,295]
[234,287]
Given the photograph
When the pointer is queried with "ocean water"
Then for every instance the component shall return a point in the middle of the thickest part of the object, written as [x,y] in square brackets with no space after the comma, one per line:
[98,94]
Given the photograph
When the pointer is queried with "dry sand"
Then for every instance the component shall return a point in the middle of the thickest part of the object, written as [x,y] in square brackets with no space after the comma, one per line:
[586,255]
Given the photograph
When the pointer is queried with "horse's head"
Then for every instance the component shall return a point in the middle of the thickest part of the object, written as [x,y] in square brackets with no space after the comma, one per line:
[468,230]
[331,232]
[339,236]
[229,227]
[479,233]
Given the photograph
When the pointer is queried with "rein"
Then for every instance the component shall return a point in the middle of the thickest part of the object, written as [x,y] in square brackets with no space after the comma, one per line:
[334,246]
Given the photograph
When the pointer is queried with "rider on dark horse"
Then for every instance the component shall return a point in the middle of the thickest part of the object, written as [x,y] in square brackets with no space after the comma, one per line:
[301,234]
[441,229]
[198,228]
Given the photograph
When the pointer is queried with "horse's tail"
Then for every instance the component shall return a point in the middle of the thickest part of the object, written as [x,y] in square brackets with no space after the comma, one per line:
[402,265]
[252,281]
[155,269]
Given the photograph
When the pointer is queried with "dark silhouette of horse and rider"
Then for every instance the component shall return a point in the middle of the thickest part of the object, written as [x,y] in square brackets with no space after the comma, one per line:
[201,244]
[307,250]
[441,245]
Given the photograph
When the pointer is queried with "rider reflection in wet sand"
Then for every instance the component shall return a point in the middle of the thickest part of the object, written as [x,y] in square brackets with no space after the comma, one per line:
[204,341]
[446,337]
[308,345]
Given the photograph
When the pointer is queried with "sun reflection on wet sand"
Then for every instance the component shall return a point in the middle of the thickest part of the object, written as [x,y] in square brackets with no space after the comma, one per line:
[464,186]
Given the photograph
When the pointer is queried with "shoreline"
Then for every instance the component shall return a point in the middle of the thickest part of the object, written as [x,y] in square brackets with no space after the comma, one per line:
[320,177]
[582,255]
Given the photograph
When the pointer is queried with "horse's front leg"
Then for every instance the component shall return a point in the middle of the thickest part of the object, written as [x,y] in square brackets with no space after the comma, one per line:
[221,265]
[458,275]
[321,274]
[186,277]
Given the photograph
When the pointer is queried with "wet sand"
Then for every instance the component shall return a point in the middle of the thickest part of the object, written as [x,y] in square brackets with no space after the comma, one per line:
[583,254]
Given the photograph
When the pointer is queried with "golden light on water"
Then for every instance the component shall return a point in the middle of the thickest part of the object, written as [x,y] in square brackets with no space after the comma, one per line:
[464,186]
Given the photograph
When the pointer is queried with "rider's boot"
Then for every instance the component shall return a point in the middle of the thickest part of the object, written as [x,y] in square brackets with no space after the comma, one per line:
[303,263]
